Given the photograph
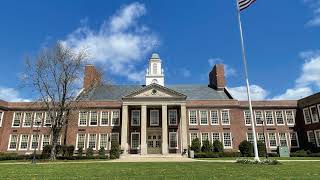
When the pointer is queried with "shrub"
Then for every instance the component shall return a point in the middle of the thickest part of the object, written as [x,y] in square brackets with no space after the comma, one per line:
[217,146]
[102,152]
[59,150]
[69,151]
[263,162]
[115,150]
[89,152]
[196,145]
[206,155]
[206,147]
[80,151]
[312,148]
[246,148]
[46,151]
[261,148]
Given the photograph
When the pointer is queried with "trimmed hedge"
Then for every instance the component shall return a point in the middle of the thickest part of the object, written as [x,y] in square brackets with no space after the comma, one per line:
[216,154]
[304,153]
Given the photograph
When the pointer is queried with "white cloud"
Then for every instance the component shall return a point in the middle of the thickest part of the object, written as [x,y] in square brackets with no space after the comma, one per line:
[256,91]
[185,72]
[294,94]
[12,95]
[229,71]
[314,5]
[118,44]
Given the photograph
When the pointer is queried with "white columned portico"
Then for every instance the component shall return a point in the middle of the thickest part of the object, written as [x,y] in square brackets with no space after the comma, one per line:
[164,130]
[183,122]
[143,130]
[124,130]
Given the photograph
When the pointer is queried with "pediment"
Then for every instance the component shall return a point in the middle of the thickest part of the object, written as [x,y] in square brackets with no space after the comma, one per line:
[155,91]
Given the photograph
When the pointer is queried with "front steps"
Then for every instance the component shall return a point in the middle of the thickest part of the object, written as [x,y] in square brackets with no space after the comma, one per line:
[153,158]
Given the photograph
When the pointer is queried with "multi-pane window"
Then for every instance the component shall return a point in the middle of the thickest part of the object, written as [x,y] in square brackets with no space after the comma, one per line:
[135,118]
[34,141]
[193,136]
[81,141]
[93,118]
[247,118]
[215,137]
[204,137]
[283,139]
[214,117]
[92,139]
[154,117]
[311,137]
[13,142]
[83,117]
[115,118]
[17,119]
[317,134]
[227,141]
[314,114]
[261,137]
[37,119]
[294,139]
[47,120]
[250,137]
[115,137]
[104,118]
[290,117]
[135,140]
[193,117]
[45,140]
[173,117]
[272,139]
[225,117]
[173,140]
[27,119]
[307,117]
[203,117]
[279,118]
[103,141]
[24,140]
[259,117]
[269,117]
[1,117]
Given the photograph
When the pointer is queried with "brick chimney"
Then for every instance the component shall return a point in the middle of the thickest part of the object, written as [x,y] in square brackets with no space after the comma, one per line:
[91,76]
[216,77]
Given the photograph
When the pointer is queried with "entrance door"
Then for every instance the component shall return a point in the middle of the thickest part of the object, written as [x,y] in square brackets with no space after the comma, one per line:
[154,143]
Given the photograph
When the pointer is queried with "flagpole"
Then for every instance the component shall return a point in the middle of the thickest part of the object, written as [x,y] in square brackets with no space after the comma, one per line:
[255,146]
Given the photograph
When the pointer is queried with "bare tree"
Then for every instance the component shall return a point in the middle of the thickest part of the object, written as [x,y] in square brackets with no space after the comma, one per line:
[55,76]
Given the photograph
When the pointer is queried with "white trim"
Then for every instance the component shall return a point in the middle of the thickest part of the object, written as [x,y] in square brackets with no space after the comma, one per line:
[190,136]
[309,136]
[45,120]
[201,117]
[193,124]
[34,118]
[176,112]
[210,114]
[296,134]
[107,144]
[79,115]
[84,143]
[312,118]
[112,112]
[1,117]
[275,114]
[95,140]
[229,117]
[227,147]
[275,136]
[17,142]
[245,120]
[24,119]
[42,137]
[154,110]
[201,137]
[304,115]
[138,140]
[255,117]
[265,118]
[212,136]
[176,141]
[14,115]
[131,119]
[101,118]
[117,136]
[285,134]
[97,113]
[247,137]
[31,140]
[316,137]
[27,142]
[293,116]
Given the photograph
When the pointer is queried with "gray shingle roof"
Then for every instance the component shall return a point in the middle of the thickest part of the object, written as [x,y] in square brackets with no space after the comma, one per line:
[193,92]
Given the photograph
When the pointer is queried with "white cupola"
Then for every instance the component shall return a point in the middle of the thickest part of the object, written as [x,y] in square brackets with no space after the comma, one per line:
[155,72]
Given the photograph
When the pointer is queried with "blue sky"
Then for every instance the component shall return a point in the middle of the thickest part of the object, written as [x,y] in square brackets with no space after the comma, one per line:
[282,41]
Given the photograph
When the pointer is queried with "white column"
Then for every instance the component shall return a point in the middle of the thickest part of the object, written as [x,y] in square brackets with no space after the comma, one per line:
[164,130]
[183,122]
[143,130]
[124,130]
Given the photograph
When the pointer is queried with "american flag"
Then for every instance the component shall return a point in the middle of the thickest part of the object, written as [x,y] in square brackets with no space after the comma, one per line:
[243,4]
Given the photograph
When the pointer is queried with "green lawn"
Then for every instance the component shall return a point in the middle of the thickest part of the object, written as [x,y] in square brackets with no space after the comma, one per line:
[186,170]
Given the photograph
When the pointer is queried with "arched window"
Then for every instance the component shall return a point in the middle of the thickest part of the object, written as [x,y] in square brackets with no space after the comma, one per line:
[155,68]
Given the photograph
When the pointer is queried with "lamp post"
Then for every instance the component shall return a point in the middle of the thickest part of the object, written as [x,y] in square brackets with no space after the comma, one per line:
[264,138]
[35,147]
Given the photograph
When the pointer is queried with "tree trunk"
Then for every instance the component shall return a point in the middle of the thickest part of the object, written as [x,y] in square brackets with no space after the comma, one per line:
[55,137]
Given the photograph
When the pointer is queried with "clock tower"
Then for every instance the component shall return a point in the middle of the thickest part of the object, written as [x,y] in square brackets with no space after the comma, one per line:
[154,72]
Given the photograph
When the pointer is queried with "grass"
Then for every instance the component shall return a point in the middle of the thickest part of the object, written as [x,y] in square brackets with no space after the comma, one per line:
[163,170]
[277,158]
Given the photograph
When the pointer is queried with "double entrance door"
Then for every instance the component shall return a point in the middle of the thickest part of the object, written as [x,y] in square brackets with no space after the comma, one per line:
[154,142]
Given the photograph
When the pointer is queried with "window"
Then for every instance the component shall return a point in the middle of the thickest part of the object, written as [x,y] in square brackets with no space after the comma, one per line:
[93,118]
[13,140]
[203,117]
[135,118]
[317,134]
[279,118]
[45,140]
[283,139]
[37,121]
[259,117]
[24,140]
[173,140]
[1,118]
[81,138]
[272,140]
[83,117]
[261,137]
[204,137]
[225,118]
[193,117]
[47,120]
[214,117]
[154,117]
[193,136]
[92,139]
[135,140]
[59,140]
[290,117]
[16,119]
[115,137]
[311,137]
[307,117]
[104,118]
[294,139]
[269,117]
[154,68]
[115,118]
[227,141]
[247,118]
[27,119]
[250,137]
[103,141]
[173,117]
[215,137]
[34,141]
[314,114]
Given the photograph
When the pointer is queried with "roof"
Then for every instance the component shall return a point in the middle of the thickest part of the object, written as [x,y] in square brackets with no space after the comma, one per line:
[193,92]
